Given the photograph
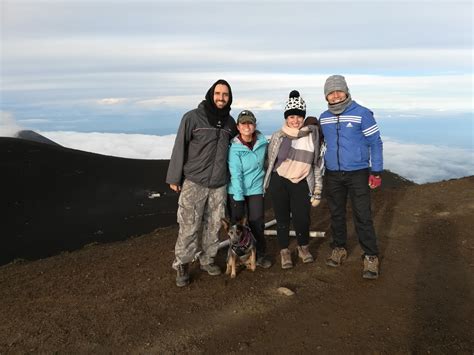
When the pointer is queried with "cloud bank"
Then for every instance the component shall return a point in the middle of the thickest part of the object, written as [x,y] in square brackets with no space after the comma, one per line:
[420,163]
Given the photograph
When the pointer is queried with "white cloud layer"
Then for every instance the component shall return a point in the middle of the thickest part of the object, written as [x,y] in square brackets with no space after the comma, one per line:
[416,162]
[8,125]
[427,163]
[134,146]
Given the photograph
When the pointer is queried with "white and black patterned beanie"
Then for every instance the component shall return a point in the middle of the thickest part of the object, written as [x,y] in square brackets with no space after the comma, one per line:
[295,105]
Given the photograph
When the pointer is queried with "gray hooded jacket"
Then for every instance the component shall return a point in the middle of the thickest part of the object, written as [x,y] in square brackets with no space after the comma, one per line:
[200,151]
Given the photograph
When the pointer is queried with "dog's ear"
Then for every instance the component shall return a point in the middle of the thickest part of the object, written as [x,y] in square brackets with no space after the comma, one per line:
[225,223]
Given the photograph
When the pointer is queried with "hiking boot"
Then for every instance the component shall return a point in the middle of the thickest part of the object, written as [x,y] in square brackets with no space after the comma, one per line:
[182,276]
[337,256]
[263,262]
[286,262]
[371,267]
[212,269]
[304,254]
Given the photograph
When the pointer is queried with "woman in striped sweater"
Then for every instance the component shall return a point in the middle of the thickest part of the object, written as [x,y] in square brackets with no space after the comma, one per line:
[293,178]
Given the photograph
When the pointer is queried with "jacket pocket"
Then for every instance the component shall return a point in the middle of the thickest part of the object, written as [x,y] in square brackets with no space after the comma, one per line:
[186,215]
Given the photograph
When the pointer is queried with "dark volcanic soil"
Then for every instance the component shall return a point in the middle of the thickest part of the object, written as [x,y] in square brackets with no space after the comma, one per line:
[121,297]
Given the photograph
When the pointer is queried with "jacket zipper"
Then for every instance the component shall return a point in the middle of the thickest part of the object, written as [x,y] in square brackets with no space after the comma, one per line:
[215,155]
[337,142]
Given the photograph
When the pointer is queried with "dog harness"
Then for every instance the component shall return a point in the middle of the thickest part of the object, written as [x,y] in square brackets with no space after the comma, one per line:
[245,244]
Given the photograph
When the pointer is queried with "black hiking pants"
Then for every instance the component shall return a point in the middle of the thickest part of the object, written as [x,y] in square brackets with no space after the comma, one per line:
[289,197]
[338,185]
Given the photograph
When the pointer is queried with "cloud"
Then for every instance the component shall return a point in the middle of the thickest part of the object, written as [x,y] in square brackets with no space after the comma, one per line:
[256,105]
[170,101]
[107,53]
[35,121]
[112,101]
[8,126]
[427,163]
[424,24]
[185,89]
[135,146]
[60,57]
[417,162]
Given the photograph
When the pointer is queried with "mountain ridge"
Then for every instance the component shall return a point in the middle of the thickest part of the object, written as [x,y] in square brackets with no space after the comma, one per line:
[60,199]
[121,296]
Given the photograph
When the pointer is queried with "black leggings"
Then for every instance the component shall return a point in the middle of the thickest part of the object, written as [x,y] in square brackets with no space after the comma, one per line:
[288,197]
[253,208]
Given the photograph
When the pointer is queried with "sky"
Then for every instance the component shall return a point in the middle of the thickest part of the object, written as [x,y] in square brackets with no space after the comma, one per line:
[136,67]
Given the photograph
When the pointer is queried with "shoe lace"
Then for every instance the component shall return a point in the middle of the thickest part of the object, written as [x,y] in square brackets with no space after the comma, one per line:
[371,263]
[181,269]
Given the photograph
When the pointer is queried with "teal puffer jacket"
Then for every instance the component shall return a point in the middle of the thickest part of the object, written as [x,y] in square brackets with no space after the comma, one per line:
[246,168]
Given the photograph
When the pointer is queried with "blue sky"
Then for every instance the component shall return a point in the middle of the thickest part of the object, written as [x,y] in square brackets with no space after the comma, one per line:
[137,66]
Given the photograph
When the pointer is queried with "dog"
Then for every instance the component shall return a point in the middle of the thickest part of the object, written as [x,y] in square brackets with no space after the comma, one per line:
[242,248]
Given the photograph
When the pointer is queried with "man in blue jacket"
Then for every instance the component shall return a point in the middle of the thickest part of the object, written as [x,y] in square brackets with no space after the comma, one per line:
[354,164]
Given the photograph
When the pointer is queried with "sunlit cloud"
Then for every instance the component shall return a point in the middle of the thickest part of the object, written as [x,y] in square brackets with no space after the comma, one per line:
[112,101]
[35,121]
[170,101]
[256,105]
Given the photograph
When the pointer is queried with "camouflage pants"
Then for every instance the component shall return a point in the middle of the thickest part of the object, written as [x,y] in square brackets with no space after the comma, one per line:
[199,206]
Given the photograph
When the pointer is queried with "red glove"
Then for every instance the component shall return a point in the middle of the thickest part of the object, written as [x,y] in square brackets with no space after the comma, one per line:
[375,181]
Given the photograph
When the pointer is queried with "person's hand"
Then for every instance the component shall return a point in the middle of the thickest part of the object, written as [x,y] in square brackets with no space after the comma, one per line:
[316,198]
[175,188]
[315,201]
[375,181]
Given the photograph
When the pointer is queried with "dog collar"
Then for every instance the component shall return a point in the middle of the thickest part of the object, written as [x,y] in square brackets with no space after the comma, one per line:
[241,248]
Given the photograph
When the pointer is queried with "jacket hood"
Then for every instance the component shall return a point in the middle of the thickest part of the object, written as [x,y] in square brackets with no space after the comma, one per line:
[217,117]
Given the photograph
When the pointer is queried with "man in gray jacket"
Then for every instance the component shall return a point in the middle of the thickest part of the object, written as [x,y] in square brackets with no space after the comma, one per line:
[198,171]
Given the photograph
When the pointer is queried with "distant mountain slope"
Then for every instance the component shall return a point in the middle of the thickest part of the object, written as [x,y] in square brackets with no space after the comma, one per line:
[35,137]
[58,199]
[393,180]
[55,198]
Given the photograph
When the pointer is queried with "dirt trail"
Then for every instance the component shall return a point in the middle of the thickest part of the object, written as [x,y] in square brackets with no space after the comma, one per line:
[121,297]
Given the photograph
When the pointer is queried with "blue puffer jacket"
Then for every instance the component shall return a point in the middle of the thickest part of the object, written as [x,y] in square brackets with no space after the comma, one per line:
[353,140]
[246,168]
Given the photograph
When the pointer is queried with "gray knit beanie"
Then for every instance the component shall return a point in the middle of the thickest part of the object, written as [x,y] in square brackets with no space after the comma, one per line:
[335,83]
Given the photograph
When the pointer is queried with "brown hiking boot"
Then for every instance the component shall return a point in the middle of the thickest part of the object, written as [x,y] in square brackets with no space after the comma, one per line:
[182,275]
[337,256]
[304,254]
[371,267]
[286,262]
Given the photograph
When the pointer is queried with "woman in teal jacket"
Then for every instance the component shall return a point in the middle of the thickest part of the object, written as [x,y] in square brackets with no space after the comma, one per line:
[245,190]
